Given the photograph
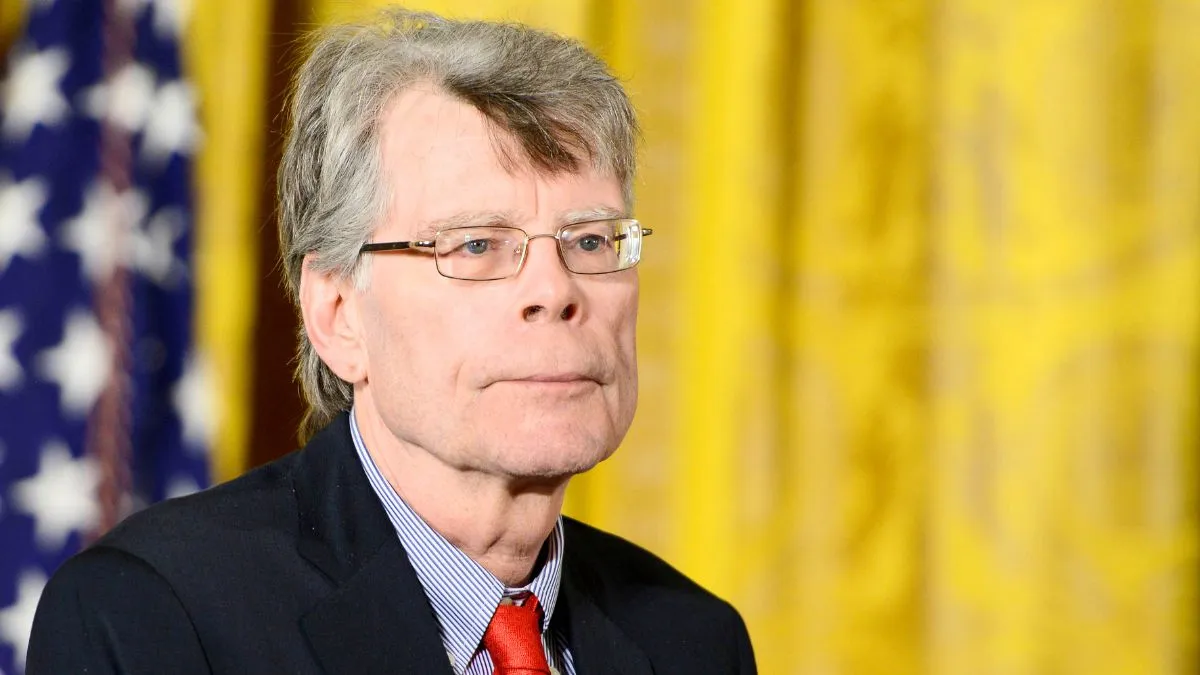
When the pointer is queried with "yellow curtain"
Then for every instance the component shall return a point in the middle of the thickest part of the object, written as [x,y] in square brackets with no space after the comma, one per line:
[12,19]
[919,327]
[226,49]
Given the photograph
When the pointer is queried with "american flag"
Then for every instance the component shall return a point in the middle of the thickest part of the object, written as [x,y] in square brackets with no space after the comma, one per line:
[102,397]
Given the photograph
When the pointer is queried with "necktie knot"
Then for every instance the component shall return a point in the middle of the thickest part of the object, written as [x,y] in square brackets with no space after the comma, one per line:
[514,639]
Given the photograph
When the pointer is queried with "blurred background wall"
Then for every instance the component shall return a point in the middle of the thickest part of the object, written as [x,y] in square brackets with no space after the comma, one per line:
[920,319]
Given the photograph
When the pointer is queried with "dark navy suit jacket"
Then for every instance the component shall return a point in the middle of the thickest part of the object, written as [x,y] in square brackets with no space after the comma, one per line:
[295,568]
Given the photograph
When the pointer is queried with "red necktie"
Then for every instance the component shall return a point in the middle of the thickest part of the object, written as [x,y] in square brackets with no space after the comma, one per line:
[514,639]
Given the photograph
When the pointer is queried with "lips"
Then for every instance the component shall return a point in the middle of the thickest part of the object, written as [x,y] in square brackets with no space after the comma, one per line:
[548,379]
[544,366]
[561,377]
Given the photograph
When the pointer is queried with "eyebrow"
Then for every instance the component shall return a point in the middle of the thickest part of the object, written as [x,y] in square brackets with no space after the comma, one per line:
[465,219]
[507,218]
[600,212]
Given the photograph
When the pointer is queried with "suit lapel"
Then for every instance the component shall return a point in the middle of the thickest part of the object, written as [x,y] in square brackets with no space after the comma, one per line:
[377,623]
[378,619]
[598,645]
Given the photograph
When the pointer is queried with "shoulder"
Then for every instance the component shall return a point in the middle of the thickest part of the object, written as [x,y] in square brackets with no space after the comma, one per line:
[201,545]
[105,597]
[143,593]
[656,604]
[617,570]
[619,561]
[258,503]
[258,506]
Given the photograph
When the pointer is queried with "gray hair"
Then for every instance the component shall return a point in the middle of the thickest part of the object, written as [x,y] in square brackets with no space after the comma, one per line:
[551,104]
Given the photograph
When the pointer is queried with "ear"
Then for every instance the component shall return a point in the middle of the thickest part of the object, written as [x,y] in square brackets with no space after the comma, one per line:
[329,309]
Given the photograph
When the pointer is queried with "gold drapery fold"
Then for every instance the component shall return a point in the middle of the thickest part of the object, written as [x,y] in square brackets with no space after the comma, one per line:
[225,49]
[1065,324]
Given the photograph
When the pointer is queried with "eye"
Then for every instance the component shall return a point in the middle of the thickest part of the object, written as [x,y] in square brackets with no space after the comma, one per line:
[477,246]
[592,242]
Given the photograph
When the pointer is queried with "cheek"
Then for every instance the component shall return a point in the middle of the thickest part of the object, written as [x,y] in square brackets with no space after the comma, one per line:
[416,347]
[618,310]
[387,340]
[625,310]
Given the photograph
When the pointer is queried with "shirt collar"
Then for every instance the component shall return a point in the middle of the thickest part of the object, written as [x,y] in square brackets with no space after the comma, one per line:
[463,594]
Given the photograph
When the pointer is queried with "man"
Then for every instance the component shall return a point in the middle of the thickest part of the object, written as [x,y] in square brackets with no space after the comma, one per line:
[454,226]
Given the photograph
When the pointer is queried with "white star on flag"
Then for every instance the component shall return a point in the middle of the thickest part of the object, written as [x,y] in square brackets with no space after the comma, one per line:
[125,100]
[170,16]
[80,364]
[180,486]
[16,621]
[193,400]
[91,234]
[21,233]
[173,127]
[154,247]
[32,95]
[60,497]
[11,374]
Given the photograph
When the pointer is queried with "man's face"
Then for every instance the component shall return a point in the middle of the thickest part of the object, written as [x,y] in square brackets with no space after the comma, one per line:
[530,376]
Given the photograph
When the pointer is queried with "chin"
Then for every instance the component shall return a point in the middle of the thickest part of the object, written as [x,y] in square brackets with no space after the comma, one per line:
[540,459]
[542,439]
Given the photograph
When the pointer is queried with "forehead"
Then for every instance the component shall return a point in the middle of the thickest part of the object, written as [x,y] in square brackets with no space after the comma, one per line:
[440,160]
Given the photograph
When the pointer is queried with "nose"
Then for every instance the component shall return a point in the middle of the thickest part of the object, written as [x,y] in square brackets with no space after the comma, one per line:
[547,291]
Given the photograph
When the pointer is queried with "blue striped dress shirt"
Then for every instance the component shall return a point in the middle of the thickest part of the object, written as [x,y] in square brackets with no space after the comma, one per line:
[464,594]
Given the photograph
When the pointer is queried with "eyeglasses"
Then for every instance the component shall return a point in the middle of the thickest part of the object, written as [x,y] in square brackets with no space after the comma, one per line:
[495,252]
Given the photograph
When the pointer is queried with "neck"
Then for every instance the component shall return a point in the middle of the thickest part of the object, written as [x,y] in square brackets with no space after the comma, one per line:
[500,522]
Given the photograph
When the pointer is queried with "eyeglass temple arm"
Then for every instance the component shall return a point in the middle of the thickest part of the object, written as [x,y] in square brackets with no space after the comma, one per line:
[645,233]
[395,246]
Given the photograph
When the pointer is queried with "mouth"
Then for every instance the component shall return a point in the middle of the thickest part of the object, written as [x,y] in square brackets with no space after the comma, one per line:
[559,378]
[564,382]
